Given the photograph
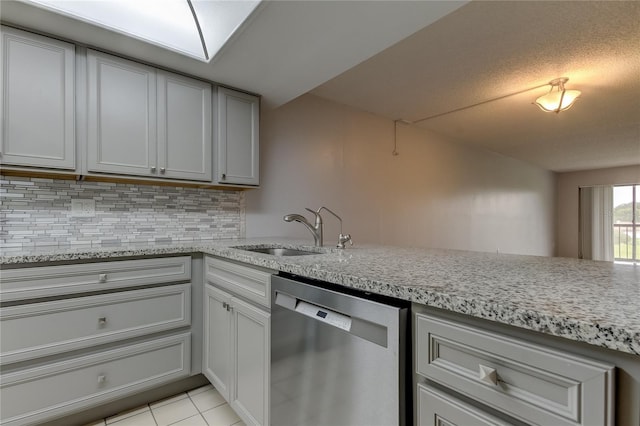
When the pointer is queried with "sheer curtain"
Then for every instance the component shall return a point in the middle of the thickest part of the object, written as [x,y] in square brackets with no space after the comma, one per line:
[596,223]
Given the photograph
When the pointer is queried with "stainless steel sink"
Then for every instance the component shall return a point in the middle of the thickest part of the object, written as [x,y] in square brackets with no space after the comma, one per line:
[278,251]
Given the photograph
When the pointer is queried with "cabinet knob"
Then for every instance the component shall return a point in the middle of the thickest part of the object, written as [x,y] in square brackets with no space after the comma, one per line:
[488,374]
[101,379]
[102,278]
[224,176]
[153,169]
[102,321]
[162,170]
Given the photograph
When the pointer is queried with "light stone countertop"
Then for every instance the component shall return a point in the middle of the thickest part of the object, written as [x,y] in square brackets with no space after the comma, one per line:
[593,302]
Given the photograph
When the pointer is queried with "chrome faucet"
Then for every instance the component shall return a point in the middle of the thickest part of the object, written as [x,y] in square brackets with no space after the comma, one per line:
[316,228]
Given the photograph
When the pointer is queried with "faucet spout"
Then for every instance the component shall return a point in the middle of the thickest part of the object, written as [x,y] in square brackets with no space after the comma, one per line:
[316,229]
[295,218]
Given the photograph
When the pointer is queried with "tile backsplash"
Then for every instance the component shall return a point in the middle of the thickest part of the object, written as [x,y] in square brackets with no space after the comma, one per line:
[37,212]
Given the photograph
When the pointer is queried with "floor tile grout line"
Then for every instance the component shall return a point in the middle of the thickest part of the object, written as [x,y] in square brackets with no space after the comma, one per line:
[215,406]
[152,416]
[197,408]
[195,415]
[203,417]
[178,421]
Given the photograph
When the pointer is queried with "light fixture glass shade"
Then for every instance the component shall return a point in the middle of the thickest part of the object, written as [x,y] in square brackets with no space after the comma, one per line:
[558,99]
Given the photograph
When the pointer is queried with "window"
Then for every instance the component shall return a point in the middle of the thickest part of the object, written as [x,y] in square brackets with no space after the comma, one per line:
[626,223]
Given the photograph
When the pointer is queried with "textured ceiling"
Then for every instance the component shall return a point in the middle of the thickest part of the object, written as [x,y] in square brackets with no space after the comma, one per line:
[490,50]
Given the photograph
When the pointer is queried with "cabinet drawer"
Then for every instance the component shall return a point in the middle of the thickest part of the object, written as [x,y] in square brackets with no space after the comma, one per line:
[42,393]
[45,281]
[436,408]
[529,382]
[249,282]
[63,325]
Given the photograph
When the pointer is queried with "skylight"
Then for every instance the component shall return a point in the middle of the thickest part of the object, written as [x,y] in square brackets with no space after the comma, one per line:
[170,24]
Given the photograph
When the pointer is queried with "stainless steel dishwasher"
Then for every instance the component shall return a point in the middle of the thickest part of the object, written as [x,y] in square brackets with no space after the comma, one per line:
[339,357]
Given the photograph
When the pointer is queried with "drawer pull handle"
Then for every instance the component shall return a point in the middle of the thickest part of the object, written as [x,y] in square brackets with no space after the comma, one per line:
[102,321]
[488,374]
[101,379]
[102,278]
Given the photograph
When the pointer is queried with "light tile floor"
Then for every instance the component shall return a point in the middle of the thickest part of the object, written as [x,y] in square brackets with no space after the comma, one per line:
[199,407]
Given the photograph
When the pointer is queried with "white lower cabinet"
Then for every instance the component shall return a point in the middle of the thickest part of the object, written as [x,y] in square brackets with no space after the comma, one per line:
[251,347]
[40,393]
[69,324]
[237,357]
[217,339]
[237,350]
[530,383]
[77,336]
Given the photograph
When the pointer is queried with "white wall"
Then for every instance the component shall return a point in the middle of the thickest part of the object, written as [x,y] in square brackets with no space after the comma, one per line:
[436,193]
[567,200]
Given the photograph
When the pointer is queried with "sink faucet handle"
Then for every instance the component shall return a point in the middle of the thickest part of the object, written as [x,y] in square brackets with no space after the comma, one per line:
[343,239]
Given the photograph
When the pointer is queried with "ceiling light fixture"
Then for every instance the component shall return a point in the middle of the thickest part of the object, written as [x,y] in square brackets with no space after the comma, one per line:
[558,99]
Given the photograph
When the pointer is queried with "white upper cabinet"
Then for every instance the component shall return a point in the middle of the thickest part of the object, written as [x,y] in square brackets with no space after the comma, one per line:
[38,78]
[184,127]
[133,119]
[147,122]
[121,116]
[238,138]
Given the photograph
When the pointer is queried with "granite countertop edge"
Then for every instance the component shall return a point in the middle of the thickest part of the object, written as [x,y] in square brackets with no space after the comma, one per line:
[603,333]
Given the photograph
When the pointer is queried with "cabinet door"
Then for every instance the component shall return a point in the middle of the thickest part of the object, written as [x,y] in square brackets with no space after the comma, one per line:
[238,137]
[37,101]
[436,408]
[217,335]
[121,116]
[184,127]
[251,343]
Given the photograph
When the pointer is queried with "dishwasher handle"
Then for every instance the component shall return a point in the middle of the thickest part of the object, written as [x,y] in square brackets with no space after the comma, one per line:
[311,310]
[374,333]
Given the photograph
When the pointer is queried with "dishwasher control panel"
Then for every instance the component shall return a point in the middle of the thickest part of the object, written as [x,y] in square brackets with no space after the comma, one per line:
[328,316]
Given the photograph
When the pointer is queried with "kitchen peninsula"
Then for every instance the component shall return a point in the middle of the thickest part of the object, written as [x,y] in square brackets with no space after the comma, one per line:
[585,301]
[563,306]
